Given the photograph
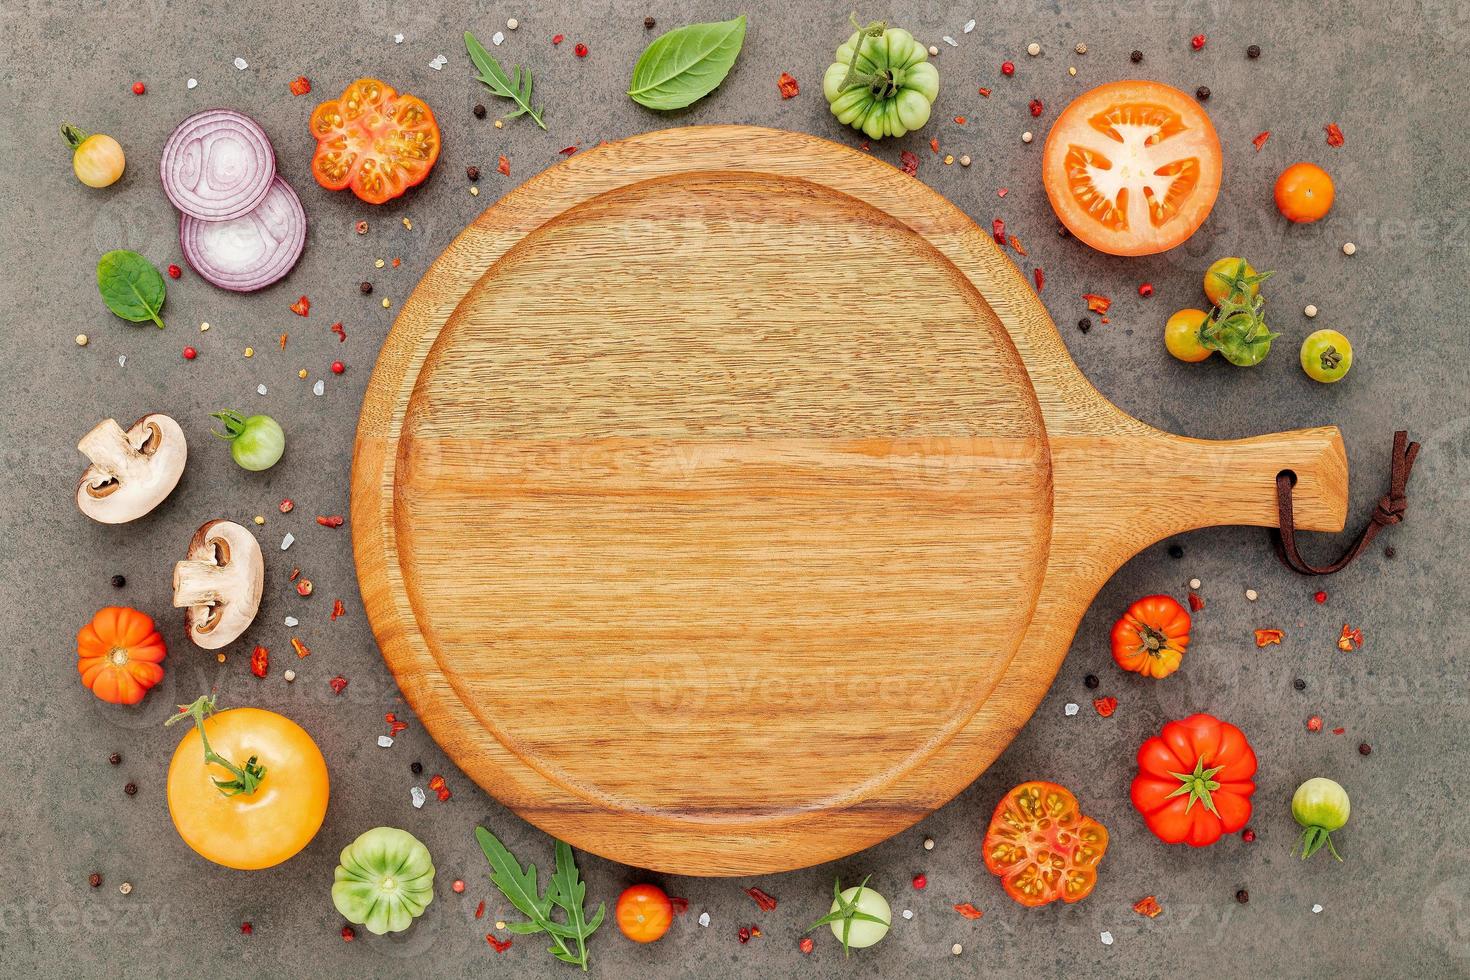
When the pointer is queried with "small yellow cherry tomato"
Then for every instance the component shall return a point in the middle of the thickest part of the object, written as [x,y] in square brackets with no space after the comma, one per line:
[97,159]
[1326,356]
[247,788]
[1181,336]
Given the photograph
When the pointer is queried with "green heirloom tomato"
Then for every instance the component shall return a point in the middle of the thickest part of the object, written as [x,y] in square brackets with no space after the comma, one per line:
[256,443]
[1326,356]
[1321,806]
[881,81]
[385,880]
[860,930]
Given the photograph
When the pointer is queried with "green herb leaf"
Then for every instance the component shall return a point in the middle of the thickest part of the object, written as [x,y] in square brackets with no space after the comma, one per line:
[517,90]
[130,286]
[567,892]
[686,64]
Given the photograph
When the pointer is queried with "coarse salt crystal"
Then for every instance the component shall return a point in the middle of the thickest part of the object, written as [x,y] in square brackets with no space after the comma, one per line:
[292,621]
[1194,583]
[241,64]
[969,26]
[288,540]
[260,389]
[385,741]
[192,83]
[1316,908]
[1070,709]
[908,913]
[497,39]
[319,388]
[950,41]
[1107,938]
[704,919]
[439,62]
[122,360]
[397,38]
[418,797]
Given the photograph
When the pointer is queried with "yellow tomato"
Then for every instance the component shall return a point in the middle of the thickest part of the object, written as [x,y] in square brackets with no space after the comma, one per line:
[249,829]
[97,159]
[1181,336]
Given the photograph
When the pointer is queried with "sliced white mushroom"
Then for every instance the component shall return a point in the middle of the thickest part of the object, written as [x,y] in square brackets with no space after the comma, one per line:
[219,583]
[133,470]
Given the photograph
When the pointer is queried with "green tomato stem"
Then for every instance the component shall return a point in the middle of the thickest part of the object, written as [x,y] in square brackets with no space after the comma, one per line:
[233,422]
[74,137]
[247,779]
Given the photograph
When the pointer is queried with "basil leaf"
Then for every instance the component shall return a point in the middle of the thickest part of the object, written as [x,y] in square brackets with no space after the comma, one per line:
[130,286]
[686,64]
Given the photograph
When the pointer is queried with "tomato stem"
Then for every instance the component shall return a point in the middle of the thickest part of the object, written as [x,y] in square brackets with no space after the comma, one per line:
[247,779]
[1198,784]
[74,137]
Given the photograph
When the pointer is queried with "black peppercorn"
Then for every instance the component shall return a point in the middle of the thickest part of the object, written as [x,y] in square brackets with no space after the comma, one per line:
[1242,896]
[416,767]
[1389,552]
[131,789]
[1136,57]
[1091,681]
[1176,551]
[473,173]
[118,581]
[648,23]
[94,879]
[1299,684]
[479,111]
[115,759]
[366,288]
[1254,51]
[1084,324]
[1365,749]
[1202,93]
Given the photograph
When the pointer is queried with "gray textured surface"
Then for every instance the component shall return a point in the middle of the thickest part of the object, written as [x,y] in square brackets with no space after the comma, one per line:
[1391,75]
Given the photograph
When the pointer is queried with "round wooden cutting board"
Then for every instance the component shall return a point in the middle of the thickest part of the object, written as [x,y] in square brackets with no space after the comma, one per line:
[724,501]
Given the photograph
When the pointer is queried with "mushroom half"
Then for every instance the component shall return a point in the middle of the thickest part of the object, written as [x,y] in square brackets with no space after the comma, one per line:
[133,470]
[219,583]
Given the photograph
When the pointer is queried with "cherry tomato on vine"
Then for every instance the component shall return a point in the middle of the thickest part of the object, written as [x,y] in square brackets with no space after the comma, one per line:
[1182,338]
[1232,275]
[644,913]
[1326,356]
[1304,192]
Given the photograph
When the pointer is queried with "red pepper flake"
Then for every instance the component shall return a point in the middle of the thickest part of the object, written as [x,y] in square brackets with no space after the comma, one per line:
[1320,597]
[397,261]
[920,882]
[1248,835]
[1016,244]
[864,146]
[1002,192]
[503,166]
[499,945]
[283,341]
[295,573]
[302,307]
[302,650]
[1106,706]
[680,905]
[1339,731]
[968,911]
[788,87]
[1314,723]
[338,684]
[557,38]
[1261,139]
[1145,289]
[580,50]
[480,909]
[174,272]
[1097,303]
[438,786]
[766,902]
[338,610]
[341,334]
[1036,107]
[348,934]
[457,886]
[1197,42]
[567,151]
[959,120]
[1334,135]
[934,145]
[998,231]
[1350,639]
[335,520]
[1266,637]
[985,92]
[910,163]
[747,933]
[396,726]
[300,85]
[246,929]
[1196,602]
[806,945]
[1148,906]
[287,505]
[1007,68]
[1040,278]
[303,587]
[260,661]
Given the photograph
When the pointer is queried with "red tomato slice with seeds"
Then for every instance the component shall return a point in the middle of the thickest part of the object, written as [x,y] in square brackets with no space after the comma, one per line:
[1132,168]
[373,140]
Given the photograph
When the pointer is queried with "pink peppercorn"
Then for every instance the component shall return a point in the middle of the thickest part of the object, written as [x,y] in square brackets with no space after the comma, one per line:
[581,50]
[174,272]
[139,88]
[1146,290]
[458,886]
[338,367]
[1314,723]
[1247,835]
[1321,597]
[1036,107]
[190,353]
[921,882]
[1197,42]
[1007,68]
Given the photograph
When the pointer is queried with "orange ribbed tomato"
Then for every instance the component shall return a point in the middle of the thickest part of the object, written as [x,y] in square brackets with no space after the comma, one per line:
[119,653]
[1151,636]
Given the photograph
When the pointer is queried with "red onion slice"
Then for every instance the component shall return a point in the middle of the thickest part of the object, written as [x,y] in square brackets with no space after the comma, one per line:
[217,165]
[252,251]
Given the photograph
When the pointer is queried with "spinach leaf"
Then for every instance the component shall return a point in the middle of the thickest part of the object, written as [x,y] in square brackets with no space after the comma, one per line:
[130,286]
[686,64]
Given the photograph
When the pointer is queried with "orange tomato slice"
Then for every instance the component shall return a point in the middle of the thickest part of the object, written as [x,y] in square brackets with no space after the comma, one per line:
[1132,168]
[1042,847]
[374,141]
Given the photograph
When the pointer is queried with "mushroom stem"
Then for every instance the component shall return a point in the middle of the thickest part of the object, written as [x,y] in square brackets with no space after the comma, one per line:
[199,583]
[112,453]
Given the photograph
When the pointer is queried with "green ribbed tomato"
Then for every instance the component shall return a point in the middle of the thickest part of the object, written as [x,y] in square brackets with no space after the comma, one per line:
[385,880]
[881,81]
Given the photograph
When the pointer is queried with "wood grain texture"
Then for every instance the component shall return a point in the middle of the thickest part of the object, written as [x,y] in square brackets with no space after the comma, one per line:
[724,501]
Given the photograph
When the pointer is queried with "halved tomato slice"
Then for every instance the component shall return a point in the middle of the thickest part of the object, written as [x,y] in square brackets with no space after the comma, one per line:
[1132,168]
[1042,847]
[373,140]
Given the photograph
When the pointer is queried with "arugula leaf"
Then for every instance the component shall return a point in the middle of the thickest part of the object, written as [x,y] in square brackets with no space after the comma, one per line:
[566,892]
[517,90]
[130,286]
[686,64]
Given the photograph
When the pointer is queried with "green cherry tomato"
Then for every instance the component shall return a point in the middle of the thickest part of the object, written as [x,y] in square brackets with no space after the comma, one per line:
[1182,337]
[1321,806]
[1326,356]
[881,81]
[1230,275]
[385,880]
[256,443]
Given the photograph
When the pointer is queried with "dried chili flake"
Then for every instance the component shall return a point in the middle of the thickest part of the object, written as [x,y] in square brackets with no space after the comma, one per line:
[499,945]
[1261,139]
[998,231]
[300,85]
[503,166]
[338,684]
[287,505]
[910,163]
[260,661]
[1267,637]
[747,933]
[985,92]
[362,227]
[567,151]
[806,945]
[301,307]
[1097,303]
[680,905]
[1106,706]
[1040,278]
[864,146]
[338,610]
[1314,723]
[1196,602]
[1339,731]
[295,574]
[766,902]
[1334,135]
[1016,244]
[480,909]
[934,145]
[1350,639]
[303,587]
[1002,192]
[334,520]
[341,334]
[439,787]
[302,650]
[959,120]
[1148,906]
[968,911]
[396,726]
[788,86]
[246,929]
[558,38]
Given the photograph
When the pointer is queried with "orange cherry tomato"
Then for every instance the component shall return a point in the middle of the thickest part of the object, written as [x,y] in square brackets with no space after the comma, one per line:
[251,791]
[644,913]
[1150,638]
[1132,168]
[374,141]
[1304,192]
[119,655]
[1042,847]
